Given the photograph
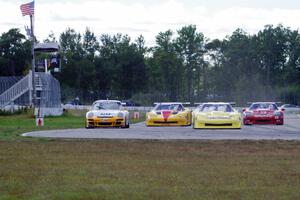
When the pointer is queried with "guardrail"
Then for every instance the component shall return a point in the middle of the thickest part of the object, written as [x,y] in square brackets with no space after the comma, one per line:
[86,107]
[148,108]
[292,110]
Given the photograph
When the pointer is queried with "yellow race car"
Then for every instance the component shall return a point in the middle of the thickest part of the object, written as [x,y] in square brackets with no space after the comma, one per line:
[169,114]
[107,113]
[216,115]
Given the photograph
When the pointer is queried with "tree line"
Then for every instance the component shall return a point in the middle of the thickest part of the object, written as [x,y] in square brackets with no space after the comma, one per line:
[183,65]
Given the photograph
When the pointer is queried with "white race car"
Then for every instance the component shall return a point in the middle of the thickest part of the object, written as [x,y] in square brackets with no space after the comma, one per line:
[107,113]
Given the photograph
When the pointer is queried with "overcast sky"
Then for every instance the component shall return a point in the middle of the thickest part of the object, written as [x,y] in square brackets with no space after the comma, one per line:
[214,18]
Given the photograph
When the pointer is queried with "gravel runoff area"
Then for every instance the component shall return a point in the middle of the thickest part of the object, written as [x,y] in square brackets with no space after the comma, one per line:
[289,131]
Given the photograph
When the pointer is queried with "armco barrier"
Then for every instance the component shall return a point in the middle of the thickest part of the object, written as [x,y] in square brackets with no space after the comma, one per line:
[148,108]
[86,107]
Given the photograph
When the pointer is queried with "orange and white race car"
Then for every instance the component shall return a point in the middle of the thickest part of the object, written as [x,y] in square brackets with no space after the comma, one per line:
[107,113]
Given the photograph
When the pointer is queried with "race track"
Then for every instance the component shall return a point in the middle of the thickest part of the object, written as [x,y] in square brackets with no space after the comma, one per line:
[289,131]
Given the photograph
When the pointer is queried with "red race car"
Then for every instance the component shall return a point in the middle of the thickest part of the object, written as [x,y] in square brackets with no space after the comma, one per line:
[263,113]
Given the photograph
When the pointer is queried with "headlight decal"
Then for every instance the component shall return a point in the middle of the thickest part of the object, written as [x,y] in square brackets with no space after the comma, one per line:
[120,114]
[277,113]
[248,113]
[90,115]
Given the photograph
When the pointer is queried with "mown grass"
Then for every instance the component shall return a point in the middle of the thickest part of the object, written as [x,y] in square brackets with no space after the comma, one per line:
[114,169]
[12,125]
[49,169]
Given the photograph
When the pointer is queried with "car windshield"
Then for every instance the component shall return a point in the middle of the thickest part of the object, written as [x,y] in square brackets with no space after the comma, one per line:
[270,106]
[169,107]
[216,107]
[106,105]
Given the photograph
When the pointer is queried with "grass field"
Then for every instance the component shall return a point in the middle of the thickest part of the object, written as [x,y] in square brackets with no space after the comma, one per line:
[12,126]
[49,169]
[107,169]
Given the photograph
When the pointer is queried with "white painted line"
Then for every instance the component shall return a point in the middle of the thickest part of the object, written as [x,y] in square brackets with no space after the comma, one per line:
[26,134]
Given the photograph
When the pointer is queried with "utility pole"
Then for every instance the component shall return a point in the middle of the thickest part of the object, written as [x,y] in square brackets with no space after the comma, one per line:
[33,63]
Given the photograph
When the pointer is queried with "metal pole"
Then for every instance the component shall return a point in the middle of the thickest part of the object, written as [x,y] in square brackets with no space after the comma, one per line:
[46,66]
[33,62]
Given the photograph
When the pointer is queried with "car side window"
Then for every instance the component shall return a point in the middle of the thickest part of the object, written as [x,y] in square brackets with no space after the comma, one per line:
[180,108]
[228,108]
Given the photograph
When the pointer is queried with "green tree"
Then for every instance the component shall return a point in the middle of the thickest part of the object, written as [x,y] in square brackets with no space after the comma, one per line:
[51,38]
[121,69]
[234,66]
[70,44]
[166,68]
[90,44]
[272,50]
[190,45]
[15,53]
[77,71]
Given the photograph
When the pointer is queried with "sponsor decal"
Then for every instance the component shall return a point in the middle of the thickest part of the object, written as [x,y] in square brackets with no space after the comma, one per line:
[105,114]
[166,114]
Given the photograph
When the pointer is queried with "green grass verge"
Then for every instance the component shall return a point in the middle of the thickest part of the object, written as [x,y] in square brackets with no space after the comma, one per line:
[12,125]
[113,170]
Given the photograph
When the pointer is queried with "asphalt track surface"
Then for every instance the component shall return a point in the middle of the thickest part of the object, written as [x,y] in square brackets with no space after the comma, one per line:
[289,131]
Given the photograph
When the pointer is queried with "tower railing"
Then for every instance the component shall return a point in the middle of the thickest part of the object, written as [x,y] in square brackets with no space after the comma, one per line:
[17,90]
